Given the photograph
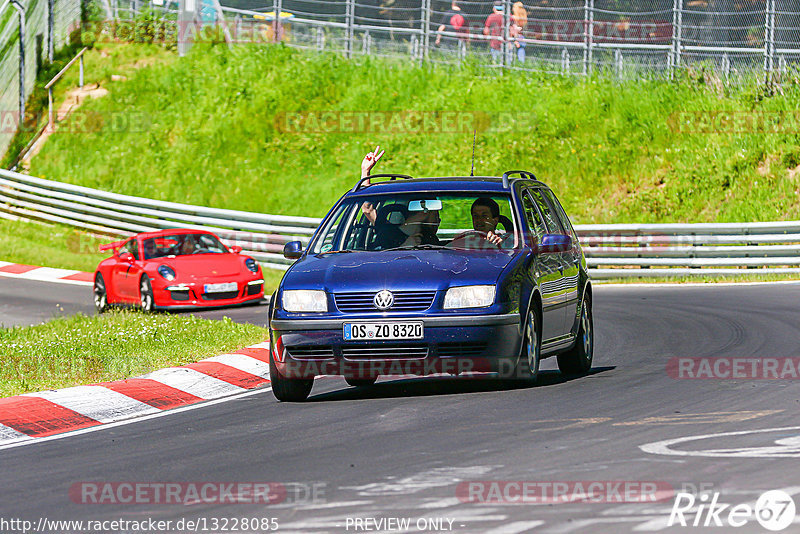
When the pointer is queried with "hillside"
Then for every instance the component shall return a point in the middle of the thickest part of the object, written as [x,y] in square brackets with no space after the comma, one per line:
[211,129]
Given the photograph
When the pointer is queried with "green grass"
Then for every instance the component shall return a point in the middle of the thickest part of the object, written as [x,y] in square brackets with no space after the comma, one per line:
[83,350]
[208,136]
[49,245]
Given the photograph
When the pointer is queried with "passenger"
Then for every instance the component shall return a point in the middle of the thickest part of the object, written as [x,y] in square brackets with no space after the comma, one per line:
[149,249]
[421,228]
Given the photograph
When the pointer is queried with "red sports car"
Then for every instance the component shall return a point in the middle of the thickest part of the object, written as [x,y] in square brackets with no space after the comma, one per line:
[172,269]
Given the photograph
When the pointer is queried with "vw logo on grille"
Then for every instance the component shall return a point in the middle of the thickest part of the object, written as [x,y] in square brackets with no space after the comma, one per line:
[383,300]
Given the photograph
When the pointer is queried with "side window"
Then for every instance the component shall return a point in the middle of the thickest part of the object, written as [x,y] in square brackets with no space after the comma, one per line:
[550,220]
[533,217]
[333,231]
[132,246]
[562,215]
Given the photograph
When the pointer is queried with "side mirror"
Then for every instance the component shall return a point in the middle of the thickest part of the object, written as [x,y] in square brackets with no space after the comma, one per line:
[293,250]
[235,249]
[126,256]
[554,243]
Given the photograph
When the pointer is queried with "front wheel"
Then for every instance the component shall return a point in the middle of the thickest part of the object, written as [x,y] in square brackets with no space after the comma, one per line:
[288,389]
[578,360]
[146,300]
[528,364]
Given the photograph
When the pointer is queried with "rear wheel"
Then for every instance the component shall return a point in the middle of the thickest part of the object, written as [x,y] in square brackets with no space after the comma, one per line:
[288,389]
[146,300]
[361,382]
[578,360]
[100,294]
[528,363]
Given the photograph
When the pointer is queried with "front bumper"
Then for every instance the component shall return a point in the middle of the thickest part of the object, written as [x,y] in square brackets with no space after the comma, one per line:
[451,344]
[180,296]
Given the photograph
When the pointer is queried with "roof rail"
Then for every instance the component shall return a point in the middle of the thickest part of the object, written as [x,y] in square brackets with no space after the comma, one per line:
[391,177]
[524,174]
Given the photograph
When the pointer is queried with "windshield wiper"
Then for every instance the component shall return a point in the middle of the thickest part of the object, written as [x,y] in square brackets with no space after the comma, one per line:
[416,247]
[334,252]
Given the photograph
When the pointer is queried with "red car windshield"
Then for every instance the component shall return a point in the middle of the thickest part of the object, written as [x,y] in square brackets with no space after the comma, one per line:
[182,245]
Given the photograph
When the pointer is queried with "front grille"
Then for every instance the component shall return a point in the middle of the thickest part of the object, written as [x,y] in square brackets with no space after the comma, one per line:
[385,352]
[221,296]
[404,301]
[474,348]
[311,352]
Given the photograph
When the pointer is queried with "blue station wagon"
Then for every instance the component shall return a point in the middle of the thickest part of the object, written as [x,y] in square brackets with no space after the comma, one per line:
[419,276]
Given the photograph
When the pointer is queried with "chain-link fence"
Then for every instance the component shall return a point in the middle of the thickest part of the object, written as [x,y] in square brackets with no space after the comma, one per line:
[627,38]
[44,26]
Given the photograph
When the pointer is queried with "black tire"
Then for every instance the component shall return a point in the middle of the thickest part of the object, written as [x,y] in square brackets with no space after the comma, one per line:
[288,389]
[529,359]
[361,382]
[100,294]
[146,300]
[578,359]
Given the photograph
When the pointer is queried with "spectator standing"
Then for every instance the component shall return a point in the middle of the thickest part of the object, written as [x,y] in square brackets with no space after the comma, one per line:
[453,21]
[519,19]
[494,26]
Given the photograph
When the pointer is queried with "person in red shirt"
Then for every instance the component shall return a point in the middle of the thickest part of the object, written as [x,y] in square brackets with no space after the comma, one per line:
[494,27]
[453,21]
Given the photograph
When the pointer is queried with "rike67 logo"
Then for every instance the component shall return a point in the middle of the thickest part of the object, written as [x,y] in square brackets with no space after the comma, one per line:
[774,510]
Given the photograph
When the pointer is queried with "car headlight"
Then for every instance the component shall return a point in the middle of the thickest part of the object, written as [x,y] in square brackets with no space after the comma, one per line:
[166,272]
[305,300]
[469,297]
[251,264]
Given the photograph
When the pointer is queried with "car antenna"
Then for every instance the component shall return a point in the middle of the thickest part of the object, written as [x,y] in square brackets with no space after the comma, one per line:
[474,136]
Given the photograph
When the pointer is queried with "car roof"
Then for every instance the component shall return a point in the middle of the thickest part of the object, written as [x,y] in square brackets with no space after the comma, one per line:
[482,184]
[171,231]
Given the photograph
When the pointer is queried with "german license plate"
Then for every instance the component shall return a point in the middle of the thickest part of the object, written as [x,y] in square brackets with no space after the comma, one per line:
[220,288]
[382,331]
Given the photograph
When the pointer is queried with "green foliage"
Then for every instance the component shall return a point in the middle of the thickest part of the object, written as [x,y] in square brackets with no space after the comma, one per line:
[214,133]
[69,351]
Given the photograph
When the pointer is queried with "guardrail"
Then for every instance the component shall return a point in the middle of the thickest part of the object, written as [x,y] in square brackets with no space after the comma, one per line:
[612,250]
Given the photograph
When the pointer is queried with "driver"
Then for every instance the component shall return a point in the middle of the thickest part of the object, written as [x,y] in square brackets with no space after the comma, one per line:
[187,245]
[485,218]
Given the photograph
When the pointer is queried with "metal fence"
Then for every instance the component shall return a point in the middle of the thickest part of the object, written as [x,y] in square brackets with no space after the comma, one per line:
[612,251]
[44,26]
[735,38]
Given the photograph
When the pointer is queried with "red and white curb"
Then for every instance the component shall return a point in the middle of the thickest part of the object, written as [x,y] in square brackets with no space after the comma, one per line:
[45,274]
[36,415]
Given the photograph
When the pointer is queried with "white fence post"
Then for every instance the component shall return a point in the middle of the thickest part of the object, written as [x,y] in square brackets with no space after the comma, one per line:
[588,39]
[350,16]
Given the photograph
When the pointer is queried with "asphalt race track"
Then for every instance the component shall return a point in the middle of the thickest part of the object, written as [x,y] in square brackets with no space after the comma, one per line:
[27,302]
[407,448]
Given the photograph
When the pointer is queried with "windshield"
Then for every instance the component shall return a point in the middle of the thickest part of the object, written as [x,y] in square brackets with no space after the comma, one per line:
[420,221]
[182,245]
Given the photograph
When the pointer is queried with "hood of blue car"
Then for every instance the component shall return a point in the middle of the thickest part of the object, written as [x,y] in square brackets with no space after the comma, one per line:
[397,270]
